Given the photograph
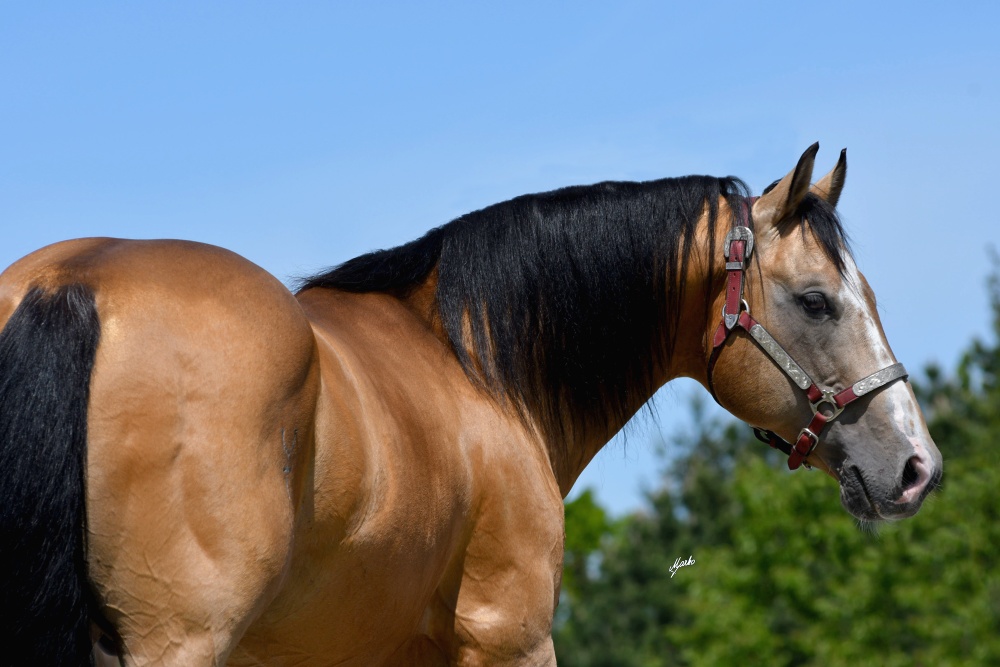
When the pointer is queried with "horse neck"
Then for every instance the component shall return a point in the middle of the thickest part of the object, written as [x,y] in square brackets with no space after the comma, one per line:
[700,305]
[574,443]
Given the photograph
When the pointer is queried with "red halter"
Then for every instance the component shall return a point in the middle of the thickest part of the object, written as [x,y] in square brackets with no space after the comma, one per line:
[826,403]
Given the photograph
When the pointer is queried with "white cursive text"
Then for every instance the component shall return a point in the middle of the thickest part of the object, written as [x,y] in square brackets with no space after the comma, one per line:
[678,564]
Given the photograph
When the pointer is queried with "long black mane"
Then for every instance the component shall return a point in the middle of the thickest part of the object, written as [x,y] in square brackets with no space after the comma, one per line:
[564,302]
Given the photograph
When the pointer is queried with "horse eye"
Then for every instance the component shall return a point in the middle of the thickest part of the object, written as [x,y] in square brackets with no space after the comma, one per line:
[815,303]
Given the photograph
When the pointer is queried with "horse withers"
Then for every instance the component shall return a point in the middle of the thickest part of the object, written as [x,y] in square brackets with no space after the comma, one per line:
[204,468]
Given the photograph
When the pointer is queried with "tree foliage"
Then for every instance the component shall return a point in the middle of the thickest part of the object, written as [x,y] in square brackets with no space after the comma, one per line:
[783,575]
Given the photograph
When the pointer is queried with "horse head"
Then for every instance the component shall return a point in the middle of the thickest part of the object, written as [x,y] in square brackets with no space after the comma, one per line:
[810,363]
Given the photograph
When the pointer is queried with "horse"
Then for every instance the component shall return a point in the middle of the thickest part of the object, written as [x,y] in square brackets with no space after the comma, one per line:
[203,467]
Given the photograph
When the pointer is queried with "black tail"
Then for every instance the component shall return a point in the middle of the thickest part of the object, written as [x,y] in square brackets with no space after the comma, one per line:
[47,352]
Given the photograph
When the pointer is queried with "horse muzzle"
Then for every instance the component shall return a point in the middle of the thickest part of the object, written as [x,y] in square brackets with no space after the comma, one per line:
[871,496]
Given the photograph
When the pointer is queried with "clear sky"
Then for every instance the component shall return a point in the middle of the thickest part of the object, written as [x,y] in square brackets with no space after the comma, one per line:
[302,134]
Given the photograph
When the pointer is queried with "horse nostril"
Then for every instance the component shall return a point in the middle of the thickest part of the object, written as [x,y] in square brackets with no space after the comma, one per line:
[914,484]
[910,474]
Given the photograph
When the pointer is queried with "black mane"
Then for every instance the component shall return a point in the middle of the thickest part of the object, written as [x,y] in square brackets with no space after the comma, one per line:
[570,298]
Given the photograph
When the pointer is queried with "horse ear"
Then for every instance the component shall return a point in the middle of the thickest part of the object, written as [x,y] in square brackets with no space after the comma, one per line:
[784,198]
[830,186]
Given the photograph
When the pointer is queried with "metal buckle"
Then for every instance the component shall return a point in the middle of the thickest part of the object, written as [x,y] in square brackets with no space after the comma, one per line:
[815,441]
[829,398]
[812,436]
[739,233]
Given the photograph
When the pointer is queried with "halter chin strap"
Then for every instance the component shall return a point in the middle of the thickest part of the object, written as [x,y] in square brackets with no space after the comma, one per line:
[826,403]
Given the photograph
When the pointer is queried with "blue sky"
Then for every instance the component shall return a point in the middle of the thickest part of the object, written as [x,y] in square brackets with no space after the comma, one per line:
[302,134]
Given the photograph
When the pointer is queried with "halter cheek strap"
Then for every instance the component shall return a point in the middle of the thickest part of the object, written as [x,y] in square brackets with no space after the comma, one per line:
[826,403]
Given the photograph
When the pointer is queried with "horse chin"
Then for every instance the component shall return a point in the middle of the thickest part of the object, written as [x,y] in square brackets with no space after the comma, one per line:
[855,498]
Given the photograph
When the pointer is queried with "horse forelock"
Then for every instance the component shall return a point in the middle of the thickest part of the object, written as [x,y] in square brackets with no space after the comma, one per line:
[819,217]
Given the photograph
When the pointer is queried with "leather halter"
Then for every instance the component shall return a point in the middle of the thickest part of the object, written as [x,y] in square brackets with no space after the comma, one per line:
[827,404]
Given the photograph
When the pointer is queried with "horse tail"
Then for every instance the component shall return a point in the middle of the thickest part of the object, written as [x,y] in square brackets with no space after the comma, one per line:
[47,352]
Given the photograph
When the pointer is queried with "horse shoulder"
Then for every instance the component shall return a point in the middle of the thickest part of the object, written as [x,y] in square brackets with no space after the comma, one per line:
[444,499]
[513,561]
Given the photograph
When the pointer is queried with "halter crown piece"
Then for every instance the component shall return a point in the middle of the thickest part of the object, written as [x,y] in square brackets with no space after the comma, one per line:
[827,404]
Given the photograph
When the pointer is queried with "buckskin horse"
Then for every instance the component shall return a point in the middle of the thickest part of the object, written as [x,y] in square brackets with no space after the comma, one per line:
[203,468]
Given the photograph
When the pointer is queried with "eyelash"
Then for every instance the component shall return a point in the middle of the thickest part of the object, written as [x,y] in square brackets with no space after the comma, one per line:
[815,304]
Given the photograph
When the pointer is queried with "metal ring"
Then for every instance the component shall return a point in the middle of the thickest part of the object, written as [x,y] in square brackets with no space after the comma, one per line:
[743,303]
[828,397]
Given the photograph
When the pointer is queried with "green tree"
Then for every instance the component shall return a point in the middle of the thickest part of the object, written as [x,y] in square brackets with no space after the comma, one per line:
[589,524]
[620,605]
